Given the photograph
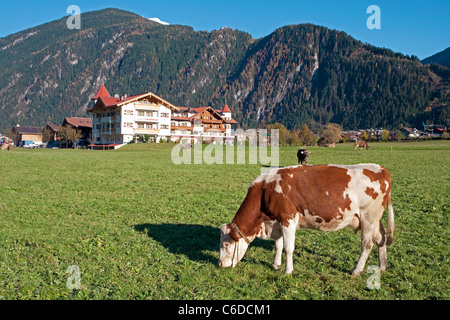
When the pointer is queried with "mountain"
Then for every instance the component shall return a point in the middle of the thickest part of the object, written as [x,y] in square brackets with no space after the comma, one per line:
[297,74]
[442,58]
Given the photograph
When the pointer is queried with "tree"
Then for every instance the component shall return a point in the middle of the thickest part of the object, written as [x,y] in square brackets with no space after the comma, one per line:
[13,135]
[399,135]
[68,133]
[332,133]
[292,139]
[283,133]
[47,135]
[386,135]
[445,135]
[306,136]
[364,136]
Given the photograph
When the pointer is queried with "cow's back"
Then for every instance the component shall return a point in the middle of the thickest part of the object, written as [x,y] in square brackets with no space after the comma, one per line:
[326,197]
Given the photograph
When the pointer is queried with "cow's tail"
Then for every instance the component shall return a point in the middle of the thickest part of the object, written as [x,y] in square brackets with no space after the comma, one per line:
[390,223]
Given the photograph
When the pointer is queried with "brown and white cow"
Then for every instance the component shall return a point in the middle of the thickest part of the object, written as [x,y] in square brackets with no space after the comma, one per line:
[6,146]
[324,197]
[361,144]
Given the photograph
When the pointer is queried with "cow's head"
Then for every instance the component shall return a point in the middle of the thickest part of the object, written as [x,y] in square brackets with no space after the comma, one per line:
[232,247]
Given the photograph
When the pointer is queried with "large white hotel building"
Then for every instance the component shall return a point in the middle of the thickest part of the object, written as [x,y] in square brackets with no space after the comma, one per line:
[119,120]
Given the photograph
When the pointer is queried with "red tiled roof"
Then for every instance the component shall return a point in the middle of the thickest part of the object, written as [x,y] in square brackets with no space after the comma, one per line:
[109,101]
[226,109]
[102,92]
[79,122]
[201,109]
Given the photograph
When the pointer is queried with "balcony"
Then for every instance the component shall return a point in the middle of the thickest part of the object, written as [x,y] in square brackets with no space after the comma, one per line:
[182,128]
[145,105]
[146,131]
[214,130]
[145,119]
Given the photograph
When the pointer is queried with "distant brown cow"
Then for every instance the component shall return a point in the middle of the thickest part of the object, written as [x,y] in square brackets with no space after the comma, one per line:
[361,144]
[6,146]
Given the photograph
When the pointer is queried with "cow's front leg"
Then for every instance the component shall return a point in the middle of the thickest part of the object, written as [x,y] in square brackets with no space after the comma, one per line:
[278,252]
[289,243]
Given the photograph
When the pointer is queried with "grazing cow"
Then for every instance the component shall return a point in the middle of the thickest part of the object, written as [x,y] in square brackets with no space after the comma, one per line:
[6,146]
[302,156]
[361,144]
[323,197]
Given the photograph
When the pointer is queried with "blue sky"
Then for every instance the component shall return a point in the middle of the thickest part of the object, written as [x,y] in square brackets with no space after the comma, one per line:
[413,27]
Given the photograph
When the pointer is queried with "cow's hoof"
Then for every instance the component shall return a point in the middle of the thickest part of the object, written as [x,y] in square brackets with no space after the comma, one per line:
[276,266]
[288,272]
[355,273]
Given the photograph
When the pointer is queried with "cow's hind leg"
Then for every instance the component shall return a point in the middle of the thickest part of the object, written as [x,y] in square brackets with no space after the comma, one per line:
[367,233]
[380,240]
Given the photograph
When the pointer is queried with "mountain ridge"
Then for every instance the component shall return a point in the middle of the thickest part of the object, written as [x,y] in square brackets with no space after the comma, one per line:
[297,74]
[441,57]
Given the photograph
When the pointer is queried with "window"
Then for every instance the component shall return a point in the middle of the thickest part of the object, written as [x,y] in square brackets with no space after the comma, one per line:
[164,126]
[164,115]
[141,113]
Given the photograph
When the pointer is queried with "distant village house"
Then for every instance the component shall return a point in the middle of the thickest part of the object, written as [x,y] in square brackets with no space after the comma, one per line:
[27,135]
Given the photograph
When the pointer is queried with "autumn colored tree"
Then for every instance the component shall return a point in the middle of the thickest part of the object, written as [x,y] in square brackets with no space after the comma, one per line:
[332,133]
[386,135]
[306,136]
[68,133]
[283,133]
[364,136]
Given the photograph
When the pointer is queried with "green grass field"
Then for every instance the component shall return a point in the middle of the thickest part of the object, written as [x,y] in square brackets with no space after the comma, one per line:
[140,227]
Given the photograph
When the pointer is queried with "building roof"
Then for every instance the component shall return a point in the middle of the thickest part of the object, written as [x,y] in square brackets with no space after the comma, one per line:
[104,100]
[54,127]
[225,108]
[102,92]
[79,122]
[196,111]
[28,130]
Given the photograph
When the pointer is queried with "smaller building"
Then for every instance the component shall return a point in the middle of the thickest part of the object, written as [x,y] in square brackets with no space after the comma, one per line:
[410,133]
[27,135]
[52,130]
[83,125]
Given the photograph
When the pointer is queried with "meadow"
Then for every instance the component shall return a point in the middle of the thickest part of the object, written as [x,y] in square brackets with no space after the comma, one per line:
[140,227]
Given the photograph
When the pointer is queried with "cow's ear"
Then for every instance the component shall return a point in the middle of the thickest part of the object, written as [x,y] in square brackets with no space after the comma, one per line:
[224,229]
